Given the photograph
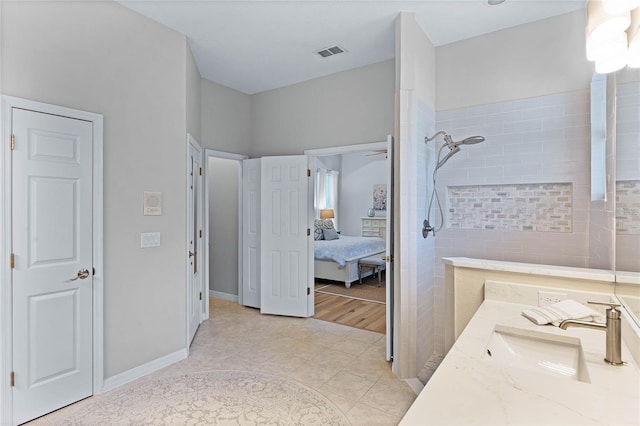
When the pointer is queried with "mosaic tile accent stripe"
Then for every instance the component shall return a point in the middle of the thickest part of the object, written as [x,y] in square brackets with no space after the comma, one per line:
[540,207]
[628,207]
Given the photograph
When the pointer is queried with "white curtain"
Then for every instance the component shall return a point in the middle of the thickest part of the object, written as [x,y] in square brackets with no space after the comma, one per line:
[326,192]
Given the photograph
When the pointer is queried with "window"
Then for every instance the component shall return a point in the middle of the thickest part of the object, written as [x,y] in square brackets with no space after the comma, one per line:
[326,193]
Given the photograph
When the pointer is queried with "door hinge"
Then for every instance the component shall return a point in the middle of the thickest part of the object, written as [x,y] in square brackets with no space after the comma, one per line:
[308,172]
[13,379]
[201,233]
[12,261]
[93,270]
[387,258]
[200,171]
[12,142]
[308,291]
[200,295]
[308,232]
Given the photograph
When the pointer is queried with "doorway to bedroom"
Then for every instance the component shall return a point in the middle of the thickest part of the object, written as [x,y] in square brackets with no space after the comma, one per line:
[351,187]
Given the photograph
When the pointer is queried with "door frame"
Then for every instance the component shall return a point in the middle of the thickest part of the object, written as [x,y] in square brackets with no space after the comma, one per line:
[348,149]
[6,332]
[212,153]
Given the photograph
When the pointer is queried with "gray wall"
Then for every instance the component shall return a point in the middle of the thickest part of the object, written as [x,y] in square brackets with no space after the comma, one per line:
[226,119]
[360,171]
[104,58]
[346,108]
[194,96]
[534,59]
[223,225]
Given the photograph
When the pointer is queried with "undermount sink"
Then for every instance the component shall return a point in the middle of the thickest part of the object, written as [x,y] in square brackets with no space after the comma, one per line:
[554,355]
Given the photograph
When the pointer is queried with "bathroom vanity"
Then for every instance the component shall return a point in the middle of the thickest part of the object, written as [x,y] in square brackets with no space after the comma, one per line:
[505,370]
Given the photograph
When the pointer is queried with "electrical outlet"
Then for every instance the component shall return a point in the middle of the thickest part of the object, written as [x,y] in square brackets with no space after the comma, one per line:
[549,297]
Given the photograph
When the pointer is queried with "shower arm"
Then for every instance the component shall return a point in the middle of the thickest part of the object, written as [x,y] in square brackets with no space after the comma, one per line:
[441,132]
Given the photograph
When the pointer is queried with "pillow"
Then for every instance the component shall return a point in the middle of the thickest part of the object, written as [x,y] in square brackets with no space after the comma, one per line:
[317,229]
[327,224]
[330,234]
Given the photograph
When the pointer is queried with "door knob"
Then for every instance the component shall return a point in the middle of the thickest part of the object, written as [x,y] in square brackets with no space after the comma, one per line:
[82,274]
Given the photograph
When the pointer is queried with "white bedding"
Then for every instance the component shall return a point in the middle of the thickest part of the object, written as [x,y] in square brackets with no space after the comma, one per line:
[346,247]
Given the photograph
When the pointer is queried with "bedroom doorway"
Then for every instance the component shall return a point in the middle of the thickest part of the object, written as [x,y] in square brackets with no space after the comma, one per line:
[223,233]
[365,173]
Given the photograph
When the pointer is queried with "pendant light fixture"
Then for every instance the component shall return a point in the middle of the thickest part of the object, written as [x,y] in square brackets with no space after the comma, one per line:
[612,34]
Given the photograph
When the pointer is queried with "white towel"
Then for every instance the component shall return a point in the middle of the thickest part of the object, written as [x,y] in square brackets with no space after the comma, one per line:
[558,312]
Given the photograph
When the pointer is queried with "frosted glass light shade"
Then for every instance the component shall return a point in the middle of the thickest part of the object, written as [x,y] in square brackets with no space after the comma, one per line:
[615,58]
[602,50]
[619,6]
[633,34]
[602,25]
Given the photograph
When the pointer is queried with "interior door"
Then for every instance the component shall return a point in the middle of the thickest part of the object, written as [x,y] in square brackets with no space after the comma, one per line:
[53,255]
[389,249]
[250,295]
[286,257]
[194,237]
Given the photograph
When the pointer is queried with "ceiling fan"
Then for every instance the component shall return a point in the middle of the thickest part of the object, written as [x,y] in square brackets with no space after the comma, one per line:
[378,152]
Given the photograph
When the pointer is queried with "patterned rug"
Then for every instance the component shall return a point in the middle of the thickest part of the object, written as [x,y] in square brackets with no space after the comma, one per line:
[208,398]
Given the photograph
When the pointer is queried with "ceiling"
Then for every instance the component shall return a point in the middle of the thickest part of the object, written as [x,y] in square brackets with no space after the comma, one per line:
[253,46]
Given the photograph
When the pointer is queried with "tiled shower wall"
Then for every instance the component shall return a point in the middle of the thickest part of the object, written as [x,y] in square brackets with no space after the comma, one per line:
[628,207]
[425,248]
[528,141]
[628,177]
[542,207]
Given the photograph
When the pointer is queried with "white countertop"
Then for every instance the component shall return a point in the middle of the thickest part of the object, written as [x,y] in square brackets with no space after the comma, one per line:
[532,268]
[469,390]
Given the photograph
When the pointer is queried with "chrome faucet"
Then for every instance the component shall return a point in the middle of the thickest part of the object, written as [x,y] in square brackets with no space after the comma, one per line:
[612,328]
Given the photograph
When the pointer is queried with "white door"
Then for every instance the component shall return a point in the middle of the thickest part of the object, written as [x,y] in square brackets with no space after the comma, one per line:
[53,249]
[250,295]
[194,238]
[389,249]
[286,243]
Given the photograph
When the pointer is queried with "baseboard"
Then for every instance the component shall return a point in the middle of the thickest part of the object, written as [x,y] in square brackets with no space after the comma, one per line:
[142,370]
[224,296]
[415,384]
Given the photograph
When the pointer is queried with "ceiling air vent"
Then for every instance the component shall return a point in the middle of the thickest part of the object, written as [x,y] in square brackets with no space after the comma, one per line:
[330,51]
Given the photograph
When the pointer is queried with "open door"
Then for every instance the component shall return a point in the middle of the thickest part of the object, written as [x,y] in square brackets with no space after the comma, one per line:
[389,249]
[250,289]
[286,244]
[194,237]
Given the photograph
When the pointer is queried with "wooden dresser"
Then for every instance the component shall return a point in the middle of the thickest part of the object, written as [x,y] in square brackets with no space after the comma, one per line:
[374,227]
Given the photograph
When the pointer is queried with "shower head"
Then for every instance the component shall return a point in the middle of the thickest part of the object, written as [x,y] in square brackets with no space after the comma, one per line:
[454,146]
[467,141]
[446,157]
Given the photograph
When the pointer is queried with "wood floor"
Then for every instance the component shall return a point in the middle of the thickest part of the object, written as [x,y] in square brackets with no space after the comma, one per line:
[351,312]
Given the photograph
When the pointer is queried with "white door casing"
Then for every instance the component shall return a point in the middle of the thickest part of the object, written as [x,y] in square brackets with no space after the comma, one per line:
[53,247]
[389,251]
[195,235]
[251,209]
[285,238]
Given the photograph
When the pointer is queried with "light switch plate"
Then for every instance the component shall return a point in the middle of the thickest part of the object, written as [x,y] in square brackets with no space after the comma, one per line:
[152,203]
[149,239]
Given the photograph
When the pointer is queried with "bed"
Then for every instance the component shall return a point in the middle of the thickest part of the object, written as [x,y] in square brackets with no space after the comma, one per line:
[337,260]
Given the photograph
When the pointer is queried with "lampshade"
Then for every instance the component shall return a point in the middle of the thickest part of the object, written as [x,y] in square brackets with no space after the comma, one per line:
[326,214]
[602,25]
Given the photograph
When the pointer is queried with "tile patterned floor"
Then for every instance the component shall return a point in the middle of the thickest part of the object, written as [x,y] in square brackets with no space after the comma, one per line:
[344,364]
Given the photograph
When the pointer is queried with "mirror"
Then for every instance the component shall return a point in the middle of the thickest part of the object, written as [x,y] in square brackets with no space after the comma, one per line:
[627,247]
